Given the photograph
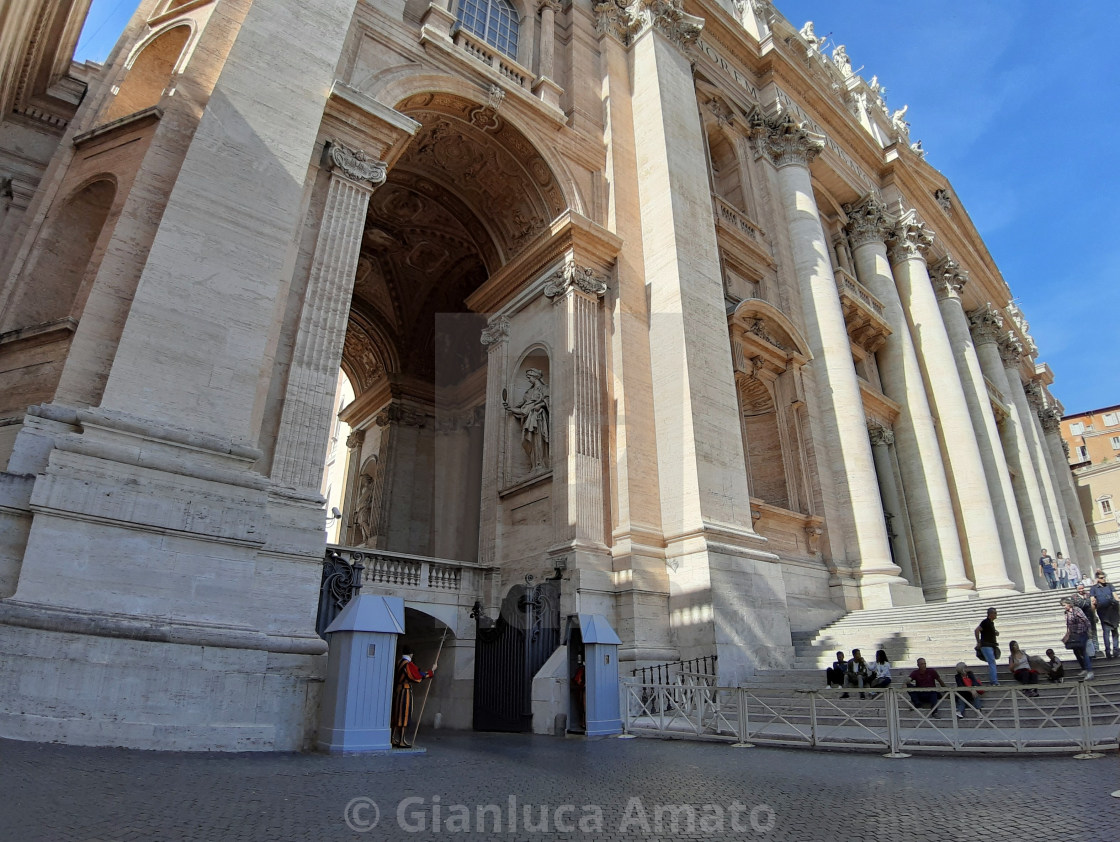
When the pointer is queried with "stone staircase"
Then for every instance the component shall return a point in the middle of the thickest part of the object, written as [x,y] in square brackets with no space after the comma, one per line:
[942,633]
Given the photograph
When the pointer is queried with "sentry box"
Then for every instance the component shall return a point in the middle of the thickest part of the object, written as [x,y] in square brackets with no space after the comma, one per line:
[593,644]
[358,694]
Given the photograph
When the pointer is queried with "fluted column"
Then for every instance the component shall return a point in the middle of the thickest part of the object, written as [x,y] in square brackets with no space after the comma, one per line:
[496,339]
[924,481]
[322,326]
[882,440]
[948,283]
[576,294]
[792,148]
[1055,505]
[910,241]
[986,325]
[1051,418]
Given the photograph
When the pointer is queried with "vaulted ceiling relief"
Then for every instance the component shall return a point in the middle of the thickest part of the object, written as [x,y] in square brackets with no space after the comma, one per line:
[468,194]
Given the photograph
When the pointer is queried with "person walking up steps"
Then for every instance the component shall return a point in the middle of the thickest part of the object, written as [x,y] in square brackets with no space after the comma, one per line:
[1108,613]
[986,646]
[1076,636]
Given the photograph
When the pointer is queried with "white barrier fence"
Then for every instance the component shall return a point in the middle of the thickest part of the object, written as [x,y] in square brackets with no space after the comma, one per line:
[1076,717]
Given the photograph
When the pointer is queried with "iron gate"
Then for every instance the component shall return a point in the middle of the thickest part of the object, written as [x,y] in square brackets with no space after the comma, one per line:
[510,651]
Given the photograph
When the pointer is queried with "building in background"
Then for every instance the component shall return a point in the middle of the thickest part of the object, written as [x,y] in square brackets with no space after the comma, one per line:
[1092,440]
[651,310]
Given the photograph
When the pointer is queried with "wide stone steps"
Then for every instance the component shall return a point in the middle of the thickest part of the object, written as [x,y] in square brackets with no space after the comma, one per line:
[942,633]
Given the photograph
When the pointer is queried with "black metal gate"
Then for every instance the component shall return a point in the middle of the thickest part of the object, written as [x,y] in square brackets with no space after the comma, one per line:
[510,651]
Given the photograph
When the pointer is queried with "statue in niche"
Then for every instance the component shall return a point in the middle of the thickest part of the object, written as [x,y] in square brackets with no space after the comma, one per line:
[533,413]
[363,519]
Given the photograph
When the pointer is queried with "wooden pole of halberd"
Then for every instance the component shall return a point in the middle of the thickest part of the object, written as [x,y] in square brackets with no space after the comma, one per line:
[428,689]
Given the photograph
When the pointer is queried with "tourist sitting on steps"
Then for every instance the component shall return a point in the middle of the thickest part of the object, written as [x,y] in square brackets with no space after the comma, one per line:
[1051,666]
[966,678]
[1020,664]
[880,672]
[857,673]
[834,675]
[925,678]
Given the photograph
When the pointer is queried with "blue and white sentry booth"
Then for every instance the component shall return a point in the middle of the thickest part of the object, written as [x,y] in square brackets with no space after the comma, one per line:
[600,657]
[358,694]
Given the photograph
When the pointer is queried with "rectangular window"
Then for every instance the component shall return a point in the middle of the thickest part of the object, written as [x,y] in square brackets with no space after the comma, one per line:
[1076,429]
[1082,453]
[1110,419]
[1116,442]
[1106,507]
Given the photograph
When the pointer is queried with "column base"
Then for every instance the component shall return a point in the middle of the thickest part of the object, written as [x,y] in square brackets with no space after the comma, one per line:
[890,594]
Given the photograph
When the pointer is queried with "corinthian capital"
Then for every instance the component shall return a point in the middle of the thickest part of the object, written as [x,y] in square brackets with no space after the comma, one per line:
[496,331]
[574,276]
[986,324]
[552,5]
[867,221]
[948,278]
[786,141]
[1034,394]
[356,164]
[1010,349]
[909,239]
[880,436]
[626,19]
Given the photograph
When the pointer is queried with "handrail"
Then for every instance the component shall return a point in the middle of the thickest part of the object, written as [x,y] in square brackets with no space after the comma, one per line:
[1080,717]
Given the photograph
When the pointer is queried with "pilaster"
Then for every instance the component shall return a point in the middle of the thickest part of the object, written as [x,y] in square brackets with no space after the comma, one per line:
[496,339]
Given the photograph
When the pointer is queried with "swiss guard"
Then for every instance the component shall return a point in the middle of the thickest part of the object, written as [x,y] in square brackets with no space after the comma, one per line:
[407,675]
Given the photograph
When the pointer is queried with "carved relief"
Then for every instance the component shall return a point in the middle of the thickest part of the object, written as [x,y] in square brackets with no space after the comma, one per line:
[362,360]
[573,276]
[397,414]
[356,164]
[497,331]
[880,435]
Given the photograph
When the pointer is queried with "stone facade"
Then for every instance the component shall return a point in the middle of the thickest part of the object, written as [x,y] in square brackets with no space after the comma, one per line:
[655,297]
[1089,442]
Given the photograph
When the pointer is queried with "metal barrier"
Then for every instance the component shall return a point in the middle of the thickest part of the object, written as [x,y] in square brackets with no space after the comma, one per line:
[1076,717]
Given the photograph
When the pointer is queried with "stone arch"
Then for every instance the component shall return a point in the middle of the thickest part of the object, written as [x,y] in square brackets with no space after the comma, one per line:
[150,69]
[68,256]
[401,84]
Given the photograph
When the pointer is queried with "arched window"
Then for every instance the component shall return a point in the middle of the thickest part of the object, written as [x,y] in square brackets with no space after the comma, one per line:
[494,21]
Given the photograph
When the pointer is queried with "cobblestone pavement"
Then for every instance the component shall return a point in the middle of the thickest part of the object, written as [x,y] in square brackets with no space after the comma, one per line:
[615,789]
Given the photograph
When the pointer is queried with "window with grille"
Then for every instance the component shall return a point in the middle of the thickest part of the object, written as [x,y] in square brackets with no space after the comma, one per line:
[1106,506]
[494,21]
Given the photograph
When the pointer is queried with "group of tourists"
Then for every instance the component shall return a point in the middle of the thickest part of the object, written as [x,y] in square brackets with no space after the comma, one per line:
[1060,572]
[1086,610]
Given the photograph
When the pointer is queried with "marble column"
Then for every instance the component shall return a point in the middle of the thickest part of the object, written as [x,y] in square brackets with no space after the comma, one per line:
[792,149]
[882,440]
[910,240]
[309,396]
[1050,418]
[496,339]
[948,282]
[986,325]
[924,482]
[1055,505]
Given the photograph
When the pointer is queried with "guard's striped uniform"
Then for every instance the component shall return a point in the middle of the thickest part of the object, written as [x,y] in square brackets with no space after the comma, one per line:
[407,675]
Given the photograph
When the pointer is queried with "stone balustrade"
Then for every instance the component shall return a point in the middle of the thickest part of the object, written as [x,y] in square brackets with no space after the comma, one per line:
[400,570]
[480,50]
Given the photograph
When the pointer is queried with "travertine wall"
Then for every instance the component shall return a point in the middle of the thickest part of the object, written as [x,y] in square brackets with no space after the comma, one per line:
[783,378]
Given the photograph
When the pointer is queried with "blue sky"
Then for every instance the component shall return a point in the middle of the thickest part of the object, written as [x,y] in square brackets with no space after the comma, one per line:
[1016,102]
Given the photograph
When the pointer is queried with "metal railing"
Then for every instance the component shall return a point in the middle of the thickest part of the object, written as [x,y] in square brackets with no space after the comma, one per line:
[1079,717]
[674,671]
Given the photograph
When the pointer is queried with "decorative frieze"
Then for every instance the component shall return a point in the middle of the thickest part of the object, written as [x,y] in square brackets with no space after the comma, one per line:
[786,141]
[496,332]
[948,278]
[867,221]
[986,325]
[910,239]
[356,164]
[573,276]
